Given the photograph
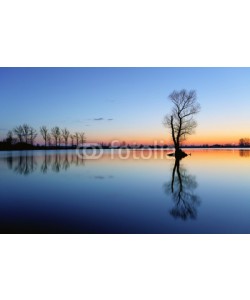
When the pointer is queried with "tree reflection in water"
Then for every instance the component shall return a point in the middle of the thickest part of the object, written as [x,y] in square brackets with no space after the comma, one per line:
[46,163]
[26,164]
[181,188]
[57,163]
[23,164]
[244,153]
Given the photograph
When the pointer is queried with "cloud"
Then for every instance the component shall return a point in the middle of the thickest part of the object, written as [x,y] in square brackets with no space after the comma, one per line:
[102,119]
[104,177]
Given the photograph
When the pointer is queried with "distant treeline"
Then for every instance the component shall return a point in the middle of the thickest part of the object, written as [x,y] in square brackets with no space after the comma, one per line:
[24,136]
[244,142]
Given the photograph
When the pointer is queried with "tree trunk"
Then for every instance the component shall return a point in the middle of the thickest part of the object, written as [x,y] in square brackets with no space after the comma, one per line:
[179,154]
[173,136]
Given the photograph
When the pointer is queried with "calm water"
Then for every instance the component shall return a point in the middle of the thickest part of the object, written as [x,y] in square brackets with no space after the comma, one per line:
[57,192]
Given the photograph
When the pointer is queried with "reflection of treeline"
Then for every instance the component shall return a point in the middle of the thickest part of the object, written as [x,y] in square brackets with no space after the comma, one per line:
[59,162]
[244,153]
[24,136]
[22,164]
[26,163]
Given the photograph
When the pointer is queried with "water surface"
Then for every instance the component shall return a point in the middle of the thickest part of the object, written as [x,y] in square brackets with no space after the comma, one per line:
[58,192]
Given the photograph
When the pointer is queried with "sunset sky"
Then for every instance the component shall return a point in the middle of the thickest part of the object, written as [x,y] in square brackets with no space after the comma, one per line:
[127,104]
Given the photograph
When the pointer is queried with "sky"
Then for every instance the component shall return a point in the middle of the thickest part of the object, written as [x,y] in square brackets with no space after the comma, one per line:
[125,104]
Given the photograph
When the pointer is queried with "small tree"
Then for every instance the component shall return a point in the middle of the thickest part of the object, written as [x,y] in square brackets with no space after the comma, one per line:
[56,133]
[65,134]
[72,139]
[26,133]
[181,120]
[44,132]
[19,133]
[9,137]
[82,138]
[244,142]
[32,135]
[77,136]
[49,139]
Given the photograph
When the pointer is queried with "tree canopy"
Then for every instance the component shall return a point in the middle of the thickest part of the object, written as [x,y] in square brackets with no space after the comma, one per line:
[181,120]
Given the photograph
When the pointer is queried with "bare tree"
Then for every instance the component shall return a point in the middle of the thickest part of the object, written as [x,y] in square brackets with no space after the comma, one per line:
[82,138]
[56,133]
[26,133]
[181,120]
[32,135]
[9,137]
[72,139]
[44,132]
[77,136]
[19,133]
[244,142]
[65,134]
[49,139]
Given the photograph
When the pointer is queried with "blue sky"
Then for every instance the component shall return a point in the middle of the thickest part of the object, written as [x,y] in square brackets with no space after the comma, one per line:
[125,103]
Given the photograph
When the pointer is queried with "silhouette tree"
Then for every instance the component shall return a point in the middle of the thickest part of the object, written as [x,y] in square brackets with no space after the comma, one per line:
[82,138]
[77,136]
[56,133]
[26,133]
[49,139]
[9,138]
[65,134]
[72,139]
[182,187]
[44,132]
[244,142]
[181,120]
[19,133]
[32,135]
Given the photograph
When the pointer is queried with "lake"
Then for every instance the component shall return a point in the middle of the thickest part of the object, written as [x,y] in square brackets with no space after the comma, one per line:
[148,192]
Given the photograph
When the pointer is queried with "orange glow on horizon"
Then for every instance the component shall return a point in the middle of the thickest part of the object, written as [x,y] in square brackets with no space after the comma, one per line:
[192,140]
[162,136]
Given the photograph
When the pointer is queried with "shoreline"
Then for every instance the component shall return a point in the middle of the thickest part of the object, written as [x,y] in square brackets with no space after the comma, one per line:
[125,148]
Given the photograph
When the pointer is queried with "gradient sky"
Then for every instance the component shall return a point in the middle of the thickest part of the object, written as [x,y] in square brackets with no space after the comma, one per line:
[128,104]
